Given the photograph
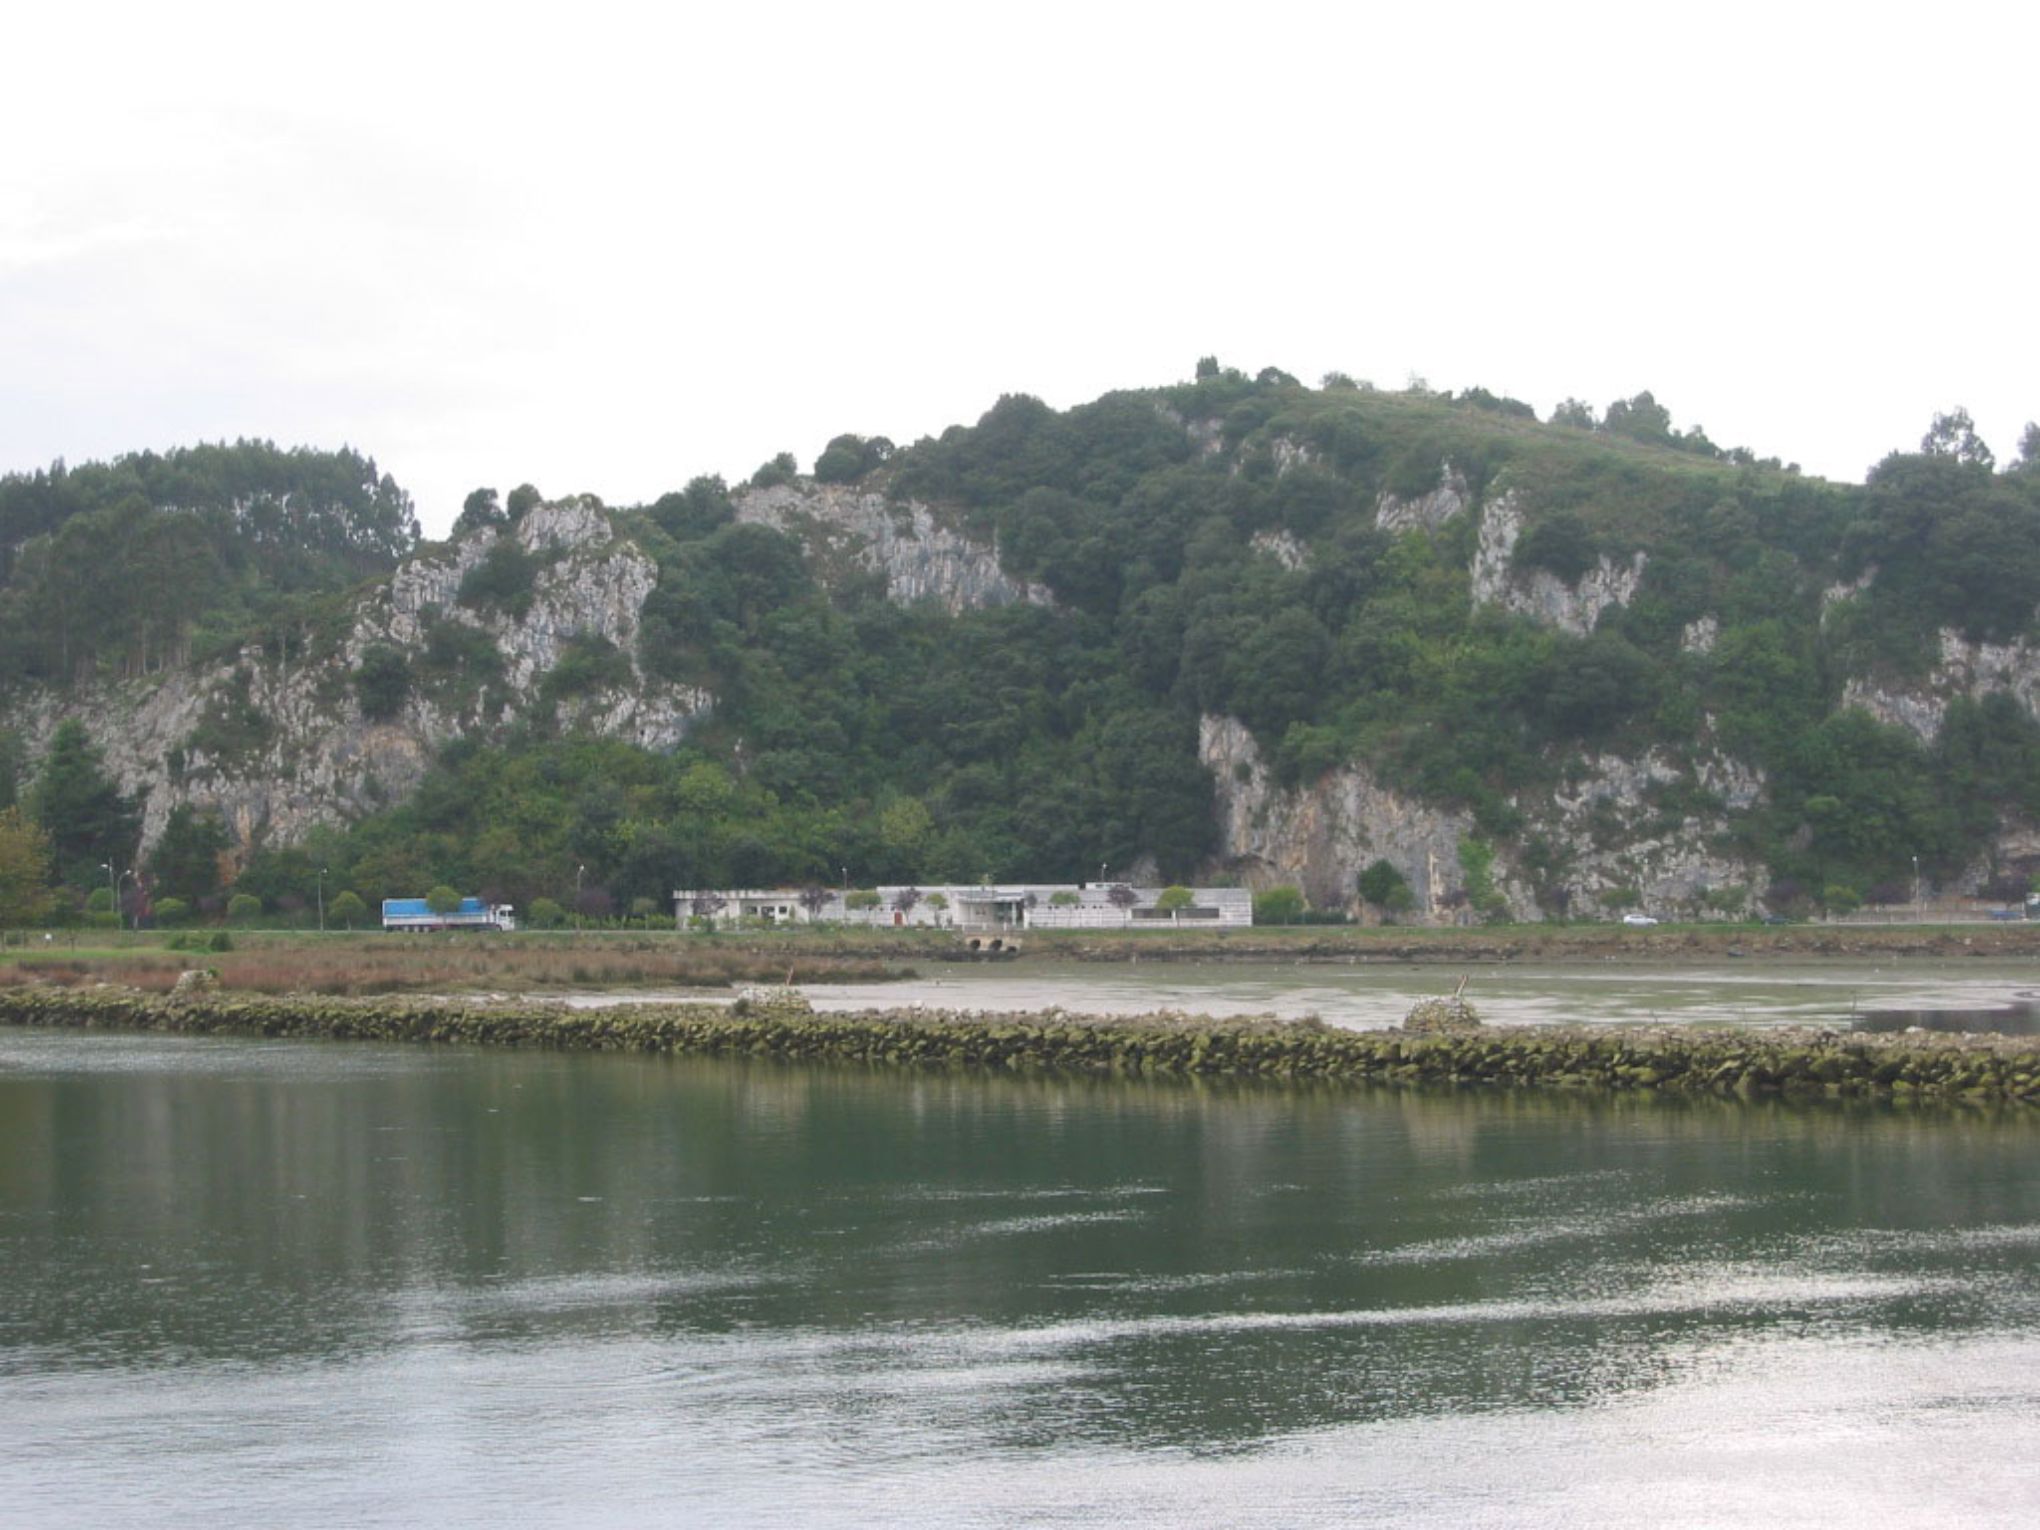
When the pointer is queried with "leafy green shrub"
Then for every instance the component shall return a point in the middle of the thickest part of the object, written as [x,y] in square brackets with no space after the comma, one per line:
[848,458]
[1560,544]
[503,580]
[243,907]
[546,914]
[1477,866]
[697,511]
[479,509]
[1383,885]
[1278,905]
[454,647]
[347,910]
[232,726]
[221,941]
[382,682]
[589,663]
[171,911]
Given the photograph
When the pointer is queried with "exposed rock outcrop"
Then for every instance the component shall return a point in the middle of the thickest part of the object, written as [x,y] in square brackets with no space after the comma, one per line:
[1538,593]
[1289,452]
[1602,826]
[847,528]
[1283,547]
[316,759]
[1614,840]
[1427,512]
[1963,669]
[1844,590]
[1319,837]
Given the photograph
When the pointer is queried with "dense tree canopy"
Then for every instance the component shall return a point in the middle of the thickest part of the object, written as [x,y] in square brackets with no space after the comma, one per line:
[185,862]
[141,561]
[25,896]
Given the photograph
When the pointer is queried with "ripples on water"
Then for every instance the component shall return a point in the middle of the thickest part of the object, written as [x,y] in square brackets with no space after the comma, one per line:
[329,1285]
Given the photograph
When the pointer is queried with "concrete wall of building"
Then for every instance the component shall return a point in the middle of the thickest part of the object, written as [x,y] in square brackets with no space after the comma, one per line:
[971,907]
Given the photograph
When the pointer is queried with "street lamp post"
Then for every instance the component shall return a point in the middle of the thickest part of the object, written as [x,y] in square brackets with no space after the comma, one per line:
[1916,889]
[322,900]
[577,895]
[112,888]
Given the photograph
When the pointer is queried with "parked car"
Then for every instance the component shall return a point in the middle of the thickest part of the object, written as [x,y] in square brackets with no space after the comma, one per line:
[1638,921]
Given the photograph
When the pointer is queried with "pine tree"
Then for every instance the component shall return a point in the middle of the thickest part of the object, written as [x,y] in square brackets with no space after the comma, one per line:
[81,809]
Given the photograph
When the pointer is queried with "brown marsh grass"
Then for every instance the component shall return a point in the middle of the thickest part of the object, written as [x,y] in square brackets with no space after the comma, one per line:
[455,965]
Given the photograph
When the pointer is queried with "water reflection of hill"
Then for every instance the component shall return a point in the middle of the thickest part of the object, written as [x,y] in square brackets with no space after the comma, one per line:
[223,1200]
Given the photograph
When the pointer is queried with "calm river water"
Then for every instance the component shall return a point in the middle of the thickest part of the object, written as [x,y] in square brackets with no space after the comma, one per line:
[264,1284]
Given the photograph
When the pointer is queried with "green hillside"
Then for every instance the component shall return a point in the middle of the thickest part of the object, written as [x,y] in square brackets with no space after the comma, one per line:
[1028,742]
[1212,548]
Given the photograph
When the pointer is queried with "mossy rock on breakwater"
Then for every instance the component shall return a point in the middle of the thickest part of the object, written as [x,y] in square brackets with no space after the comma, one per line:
[195,980]
[778,1025]
[1443,1017]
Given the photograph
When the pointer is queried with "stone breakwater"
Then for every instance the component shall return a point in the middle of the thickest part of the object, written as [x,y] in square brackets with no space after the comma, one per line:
[1659,1058]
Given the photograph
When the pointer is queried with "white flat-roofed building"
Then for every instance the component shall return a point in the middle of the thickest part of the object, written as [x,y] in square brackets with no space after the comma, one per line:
[1007,906]
[738,905]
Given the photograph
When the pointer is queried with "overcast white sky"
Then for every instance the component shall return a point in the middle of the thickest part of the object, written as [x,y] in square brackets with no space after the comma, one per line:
[604,249]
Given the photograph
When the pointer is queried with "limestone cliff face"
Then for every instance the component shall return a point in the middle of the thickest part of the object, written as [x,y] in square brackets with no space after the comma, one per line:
[1611,838]
[1538,593]
[1321,836]
[1964,669]
[1608,838]
[847,528]
[592,585]
[1427,512]
[312,757]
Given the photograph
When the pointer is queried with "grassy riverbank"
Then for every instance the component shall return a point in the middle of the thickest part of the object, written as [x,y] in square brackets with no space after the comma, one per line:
[1688,1060]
